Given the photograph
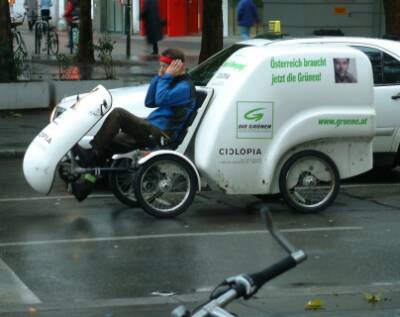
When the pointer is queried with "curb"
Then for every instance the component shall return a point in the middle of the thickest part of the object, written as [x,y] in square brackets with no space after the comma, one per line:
[12,153]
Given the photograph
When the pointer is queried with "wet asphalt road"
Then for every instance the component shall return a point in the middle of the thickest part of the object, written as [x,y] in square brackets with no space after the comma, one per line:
[100,258]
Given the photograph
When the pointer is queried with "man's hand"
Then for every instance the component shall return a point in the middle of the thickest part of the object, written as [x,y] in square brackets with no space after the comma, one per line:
[176,68]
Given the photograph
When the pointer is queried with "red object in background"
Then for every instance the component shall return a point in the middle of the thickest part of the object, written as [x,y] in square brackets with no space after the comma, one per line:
[192,16]
[182,17]
[176,18]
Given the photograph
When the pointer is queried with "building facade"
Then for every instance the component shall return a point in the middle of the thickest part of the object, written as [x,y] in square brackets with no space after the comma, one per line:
[185,17]
[303,17]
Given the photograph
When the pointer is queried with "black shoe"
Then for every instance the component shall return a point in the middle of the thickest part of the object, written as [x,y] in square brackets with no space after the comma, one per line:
[82,188]
[87,157]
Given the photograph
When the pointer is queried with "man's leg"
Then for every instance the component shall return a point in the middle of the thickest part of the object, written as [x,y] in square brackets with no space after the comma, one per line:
[244,32]
[121,119]
[155,48]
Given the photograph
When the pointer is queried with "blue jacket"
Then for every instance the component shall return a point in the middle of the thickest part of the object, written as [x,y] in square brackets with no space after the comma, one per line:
[46,4]
[246,13]
[175,100]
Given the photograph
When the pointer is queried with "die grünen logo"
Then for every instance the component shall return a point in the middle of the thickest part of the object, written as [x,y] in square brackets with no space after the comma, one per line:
[254,114]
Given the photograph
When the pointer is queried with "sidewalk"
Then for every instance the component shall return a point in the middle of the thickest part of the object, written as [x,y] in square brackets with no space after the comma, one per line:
[140,64]
[18,128]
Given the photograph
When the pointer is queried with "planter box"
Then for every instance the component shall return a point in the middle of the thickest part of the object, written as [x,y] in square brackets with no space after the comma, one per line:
[63,88]
[24,95]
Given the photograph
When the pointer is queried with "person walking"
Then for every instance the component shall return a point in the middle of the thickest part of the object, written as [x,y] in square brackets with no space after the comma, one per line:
[247,16]
[152,24]
[45,6]
[31,9]
[71,13]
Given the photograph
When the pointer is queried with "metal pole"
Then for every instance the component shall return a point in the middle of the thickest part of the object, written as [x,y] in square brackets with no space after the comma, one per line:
[128,23]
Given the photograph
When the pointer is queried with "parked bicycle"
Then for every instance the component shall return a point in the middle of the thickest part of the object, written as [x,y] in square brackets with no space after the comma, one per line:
[46,37]
[19,47]
[246,285]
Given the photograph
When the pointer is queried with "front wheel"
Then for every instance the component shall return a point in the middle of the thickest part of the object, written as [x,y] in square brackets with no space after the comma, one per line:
[122,183]
[309,181]
[165,186]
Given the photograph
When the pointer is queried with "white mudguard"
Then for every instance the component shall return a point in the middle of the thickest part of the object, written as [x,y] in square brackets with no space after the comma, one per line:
[57,138]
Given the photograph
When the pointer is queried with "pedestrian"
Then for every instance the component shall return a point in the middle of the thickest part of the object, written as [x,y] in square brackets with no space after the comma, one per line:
[71,13]
[152,24]
[31,9]
[247,16]
[45,6]
[171,92]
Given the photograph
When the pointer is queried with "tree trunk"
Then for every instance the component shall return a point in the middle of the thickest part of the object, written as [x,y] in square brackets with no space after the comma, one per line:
[86,52]
[7,65]
[392,15]
[211,39]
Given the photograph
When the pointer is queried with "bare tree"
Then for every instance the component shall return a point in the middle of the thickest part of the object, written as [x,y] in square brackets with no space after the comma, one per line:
[392,14]
[7,65]
[86,51]
[211,39]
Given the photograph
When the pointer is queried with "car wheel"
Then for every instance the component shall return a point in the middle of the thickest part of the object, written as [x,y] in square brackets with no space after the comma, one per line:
[165,186]
[309,181]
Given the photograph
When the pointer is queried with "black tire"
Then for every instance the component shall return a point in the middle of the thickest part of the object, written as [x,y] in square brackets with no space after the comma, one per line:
[152,186]
[53,42]
[122,184]
[307,183]
[64,172]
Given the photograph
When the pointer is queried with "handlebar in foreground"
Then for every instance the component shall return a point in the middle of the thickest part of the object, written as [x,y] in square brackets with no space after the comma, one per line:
[246,285]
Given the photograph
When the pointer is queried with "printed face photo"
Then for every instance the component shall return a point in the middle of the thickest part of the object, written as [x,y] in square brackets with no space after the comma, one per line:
[345,70]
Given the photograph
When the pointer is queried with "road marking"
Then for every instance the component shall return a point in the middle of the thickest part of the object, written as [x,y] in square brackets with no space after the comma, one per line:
[176,235]
[13,290]
[8,200]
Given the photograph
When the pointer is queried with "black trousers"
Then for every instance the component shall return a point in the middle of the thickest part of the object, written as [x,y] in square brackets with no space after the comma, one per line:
[45,13]
[121,126]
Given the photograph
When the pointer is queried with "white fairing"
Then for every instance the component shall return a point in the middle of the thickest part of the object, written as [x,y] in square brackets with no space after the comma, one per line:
[273,102]
[57,138]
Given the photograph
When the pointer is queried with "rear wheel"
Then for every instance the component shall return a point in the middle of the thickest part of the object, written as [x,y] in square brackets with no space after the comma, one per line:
[122,183]
[309,181]
[165,186]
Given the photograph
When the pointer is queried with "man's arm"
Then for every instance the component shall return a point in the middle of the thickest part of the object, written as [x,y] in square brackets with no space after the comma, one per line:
[150,100]
[166,96]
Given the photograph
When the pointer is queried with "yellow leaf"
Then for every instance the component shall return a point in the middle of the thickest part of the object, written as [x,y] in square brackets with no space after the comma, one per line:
[372,298]
[314,304]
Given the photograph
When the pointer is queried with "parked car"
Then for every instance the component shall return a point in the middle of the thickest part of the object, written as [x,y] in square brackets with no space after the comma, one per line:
[383,54]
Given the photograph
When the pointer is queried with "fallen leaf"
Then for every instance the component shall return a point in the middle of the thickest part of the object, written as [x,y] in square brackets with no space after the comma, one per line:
[314,304]
[32,310]
[372,298]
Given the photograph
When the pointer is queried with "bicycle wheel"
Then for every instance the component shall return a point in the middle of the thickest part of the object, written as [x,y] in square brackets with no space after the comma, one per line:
[165,186]
[122,184]
[53,42]
[309,181]
[17,42]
